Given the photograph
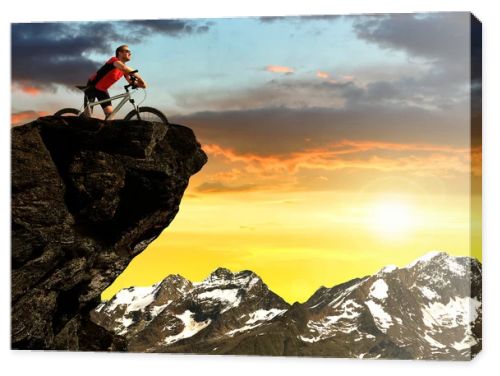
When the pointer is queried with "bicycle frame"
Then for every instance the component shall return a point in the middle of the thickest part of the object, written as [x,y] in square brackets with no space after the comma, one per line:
[126,97]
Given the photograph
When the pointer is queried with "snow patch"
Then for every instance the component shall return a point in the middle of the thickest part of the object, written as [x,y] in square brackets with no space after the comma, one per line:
[388,269]
[155,311]
[242,329]
[344,322]
[426,258]
[307,339]
[227,296]
[379,289]
[338,299]
[428,293]
[191,327]
[431,341]
[467,342]
[382,319]
[457,312]
[455,267]
[264,315]
[135,298]
[256,319]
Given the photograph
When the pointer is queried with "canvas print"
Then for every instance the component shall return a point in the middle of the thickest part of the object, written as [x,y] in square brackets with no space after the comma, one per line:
[274,186]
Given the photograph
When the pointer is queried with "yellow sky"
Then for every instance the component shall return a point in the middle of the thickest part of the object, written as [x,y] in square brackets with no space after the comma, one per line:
[299,240]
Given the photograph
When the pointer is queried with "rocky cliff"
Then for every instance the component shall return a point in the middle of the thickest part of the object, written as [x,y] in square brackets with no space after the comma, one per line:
[87,196]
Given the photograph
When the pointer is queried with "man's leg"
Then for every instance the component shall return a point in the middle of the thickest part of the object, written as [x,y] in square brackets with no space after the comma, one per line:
[108,110]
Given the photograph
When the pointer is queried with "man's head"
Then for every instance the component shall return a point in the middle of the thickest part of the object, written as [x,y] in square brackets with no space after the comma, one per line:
[123,53]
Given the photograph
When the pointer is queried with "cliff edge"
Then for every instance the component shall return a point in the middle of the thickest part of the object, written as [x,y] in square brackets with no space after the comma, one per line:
[87,197]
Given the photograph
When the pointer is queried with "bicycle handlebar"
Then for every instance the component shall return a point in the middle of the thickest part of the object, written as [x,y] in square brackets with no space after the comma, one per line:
[133,79]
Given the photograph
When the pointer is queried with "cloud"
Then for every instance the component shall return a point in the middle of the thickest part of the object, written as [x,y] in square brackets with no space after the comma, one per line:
[282,130]
[354,154]
[48,54]
[321,74]
[176,28]
[24,117]
[27,89]
[326,17]
[438,42]
[279,69]
[324,166]
[440,36]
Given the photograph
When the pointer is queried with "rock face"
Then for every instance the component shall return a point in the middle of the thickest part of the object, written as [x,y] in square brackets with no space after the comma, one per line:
[87,196]
[430,309]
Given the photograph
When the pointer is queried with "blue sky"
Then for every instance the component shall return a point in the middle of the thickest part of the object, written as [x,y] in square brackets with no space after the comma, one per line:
[227,59]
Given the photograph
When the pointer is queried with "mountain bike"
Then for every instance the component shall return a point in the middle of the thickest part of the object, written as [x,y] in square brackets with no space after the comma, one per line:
[138,113]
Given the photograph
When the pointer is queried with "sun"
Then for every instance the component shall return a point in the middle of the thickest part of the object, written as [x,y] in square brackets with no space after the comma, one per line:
[392,217]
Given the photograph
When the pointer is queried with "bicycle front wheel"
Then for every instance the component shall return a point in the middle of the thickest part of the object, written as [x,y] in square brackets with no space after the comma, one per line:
[67,112]
[147,114]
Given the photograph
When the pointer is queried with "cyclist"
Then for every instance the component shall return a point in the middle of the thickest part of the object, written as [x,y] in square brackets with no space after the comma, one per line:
[108,74]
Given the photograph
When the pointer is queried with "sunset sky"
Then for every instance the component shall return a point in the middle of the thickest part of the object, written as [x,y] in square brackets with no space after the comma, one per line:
[336,145]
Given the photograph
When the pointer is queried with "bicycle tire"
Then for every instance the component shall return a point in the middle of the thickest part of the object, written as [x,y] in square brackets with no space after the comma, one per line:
[155,115]
[67,112]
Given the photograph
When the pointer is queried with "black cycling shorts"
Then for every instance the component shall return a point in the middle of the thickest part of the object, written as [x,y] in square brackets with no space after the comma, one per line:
[92,93]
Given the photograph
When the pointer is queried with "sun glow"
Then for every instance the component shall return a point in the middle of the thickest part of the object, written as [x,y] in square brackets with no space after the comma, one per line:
[392,218]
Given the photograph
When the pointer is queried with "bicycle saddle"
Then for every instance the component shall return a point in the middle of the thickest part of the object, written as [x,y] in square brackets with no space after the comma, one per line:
[82,87]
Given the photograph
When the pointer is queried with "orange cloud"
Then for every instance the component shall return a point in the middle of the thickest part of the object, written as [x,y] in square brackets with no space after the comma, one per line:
[31,90]
[27,88]
[417,159]
[321,74]
[279,69]
[19,118]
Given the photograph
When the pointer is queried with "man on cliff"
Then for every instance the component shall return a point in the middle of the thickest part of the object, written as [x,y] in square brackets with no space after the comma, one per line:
[108,74]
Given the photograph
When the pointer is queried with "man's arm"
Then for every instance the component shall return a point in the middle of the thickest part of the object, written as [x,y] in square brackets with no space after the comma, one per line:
[126,73]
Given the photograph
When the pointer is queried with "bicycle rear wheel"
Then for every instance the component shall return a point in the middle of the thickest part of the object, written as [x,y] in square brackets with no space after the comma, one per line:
[67,112]
[147,114]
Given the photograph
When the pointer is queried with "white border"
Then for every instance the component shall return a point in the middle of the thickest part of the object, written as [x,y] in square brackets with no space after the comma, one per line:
[62,363]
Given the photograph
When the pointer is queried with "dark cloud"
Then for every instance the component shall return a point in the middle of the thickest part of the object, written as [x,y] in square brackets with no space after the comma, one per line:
[281,130]
[45,54]
[49,54]
[439,36]
[176,28]
[428,90]
[325,17]
[451,49]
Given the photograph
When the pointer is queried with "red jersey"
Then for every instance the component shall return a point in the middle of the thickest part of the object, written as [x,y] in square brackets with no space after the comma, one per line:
[106,76]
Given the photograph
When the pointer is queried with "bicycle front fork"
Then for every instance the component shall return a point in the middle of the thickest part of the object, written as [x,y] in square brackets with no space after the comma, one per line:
[136,108]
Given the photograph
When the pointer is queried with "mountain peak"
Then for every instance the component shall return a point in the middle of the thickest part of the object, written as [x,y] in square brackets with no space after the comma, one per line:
[428,257]
[221,273]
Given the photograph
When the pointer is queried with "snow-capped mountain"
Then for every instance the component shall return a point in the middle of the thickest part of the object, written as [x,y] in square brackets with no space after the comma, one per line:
[171,312]
[430,309]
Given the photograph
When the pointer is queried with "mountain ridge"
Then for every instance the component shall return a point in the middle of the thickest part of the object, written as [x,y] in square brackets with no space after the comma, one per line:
[413,312]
